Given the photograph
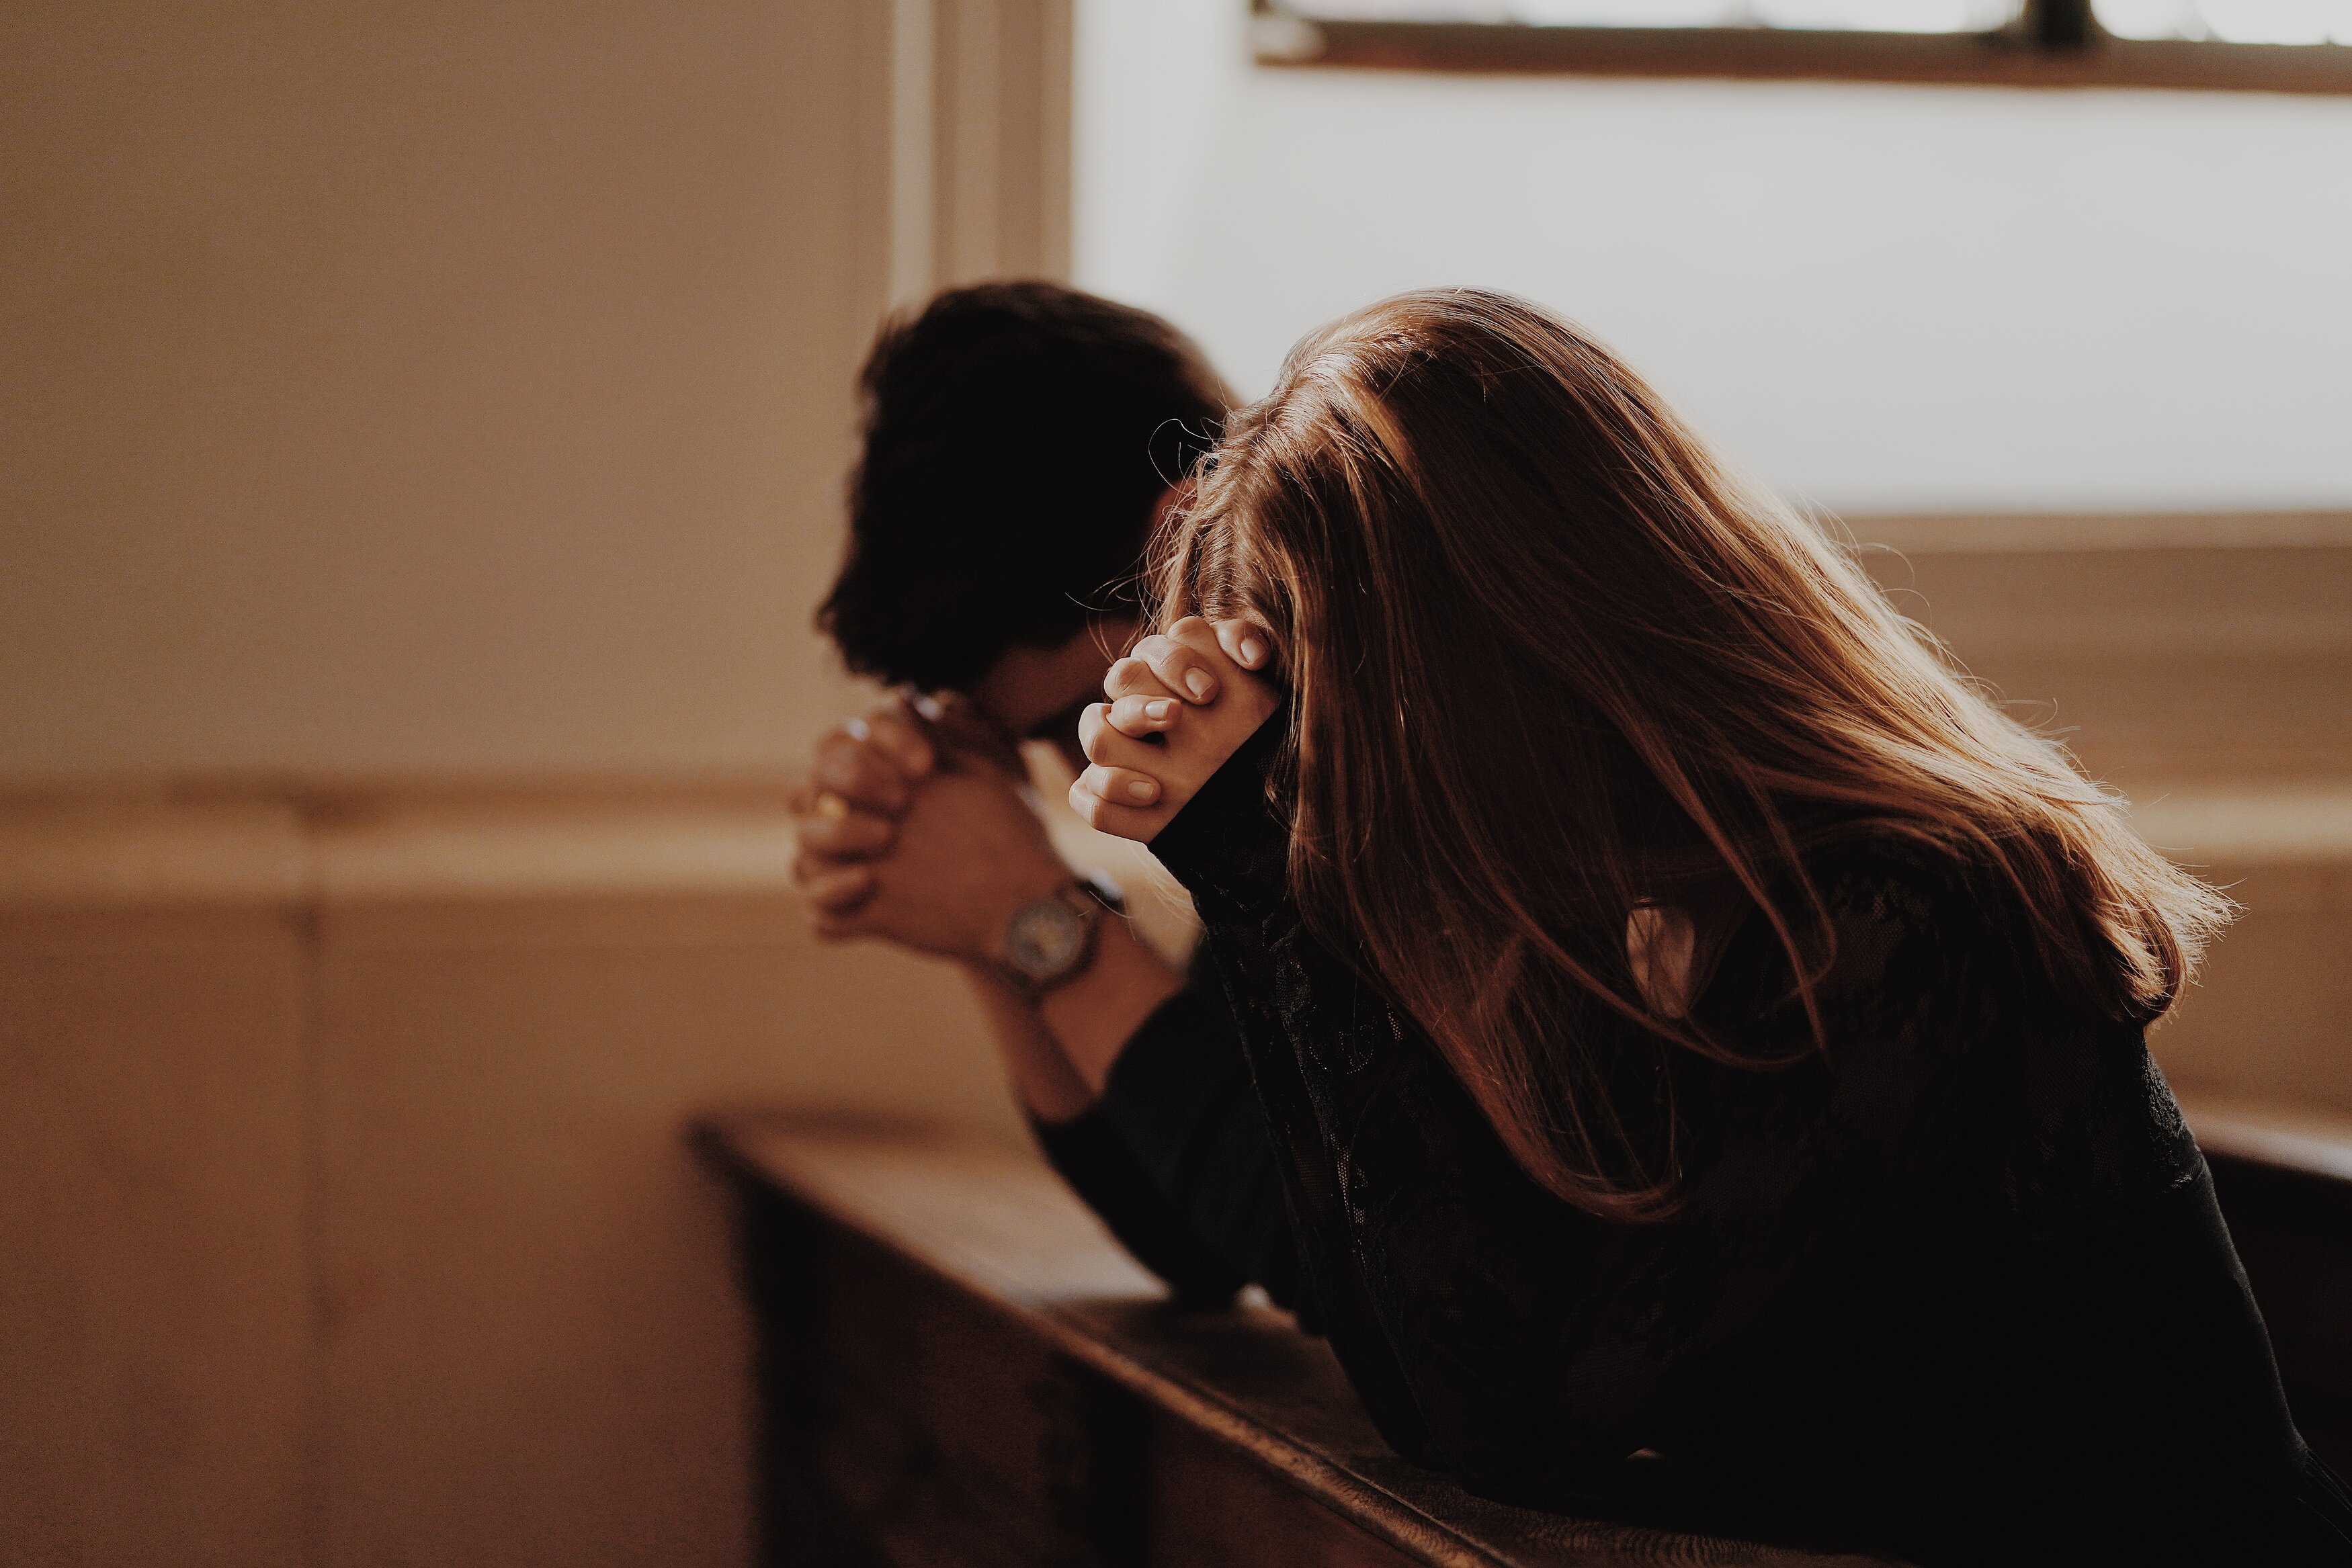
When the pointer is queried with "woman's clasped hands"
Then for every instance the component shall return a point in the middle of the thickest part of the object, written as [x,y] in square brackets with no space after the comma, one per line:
[1180,703]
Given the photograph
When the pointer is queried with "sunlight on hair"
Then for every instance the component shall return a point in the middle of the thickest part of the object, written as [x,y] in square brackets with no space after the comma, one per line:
[1569,703]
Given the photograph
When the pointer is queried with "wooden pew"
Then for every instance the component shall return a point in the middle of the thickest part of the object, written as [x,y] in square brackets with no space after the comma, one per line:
[958,1367]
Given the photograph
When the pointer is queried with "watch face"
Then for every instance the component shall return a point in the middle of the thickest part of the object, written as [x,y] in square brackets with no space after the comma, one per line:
[1046,938]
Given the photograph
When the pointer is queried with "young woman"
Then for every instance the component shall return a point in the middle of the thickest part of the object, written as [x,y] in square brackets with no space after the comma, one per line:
[1694,1022]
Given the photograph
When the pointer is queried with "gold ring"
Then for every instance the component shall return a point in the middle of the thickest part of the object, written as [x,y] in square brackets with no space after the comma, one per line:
[829,804]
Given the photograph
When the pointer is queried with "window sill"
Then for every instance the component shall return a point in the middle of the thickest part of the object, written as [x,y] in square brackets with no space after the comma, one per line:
[1760,54]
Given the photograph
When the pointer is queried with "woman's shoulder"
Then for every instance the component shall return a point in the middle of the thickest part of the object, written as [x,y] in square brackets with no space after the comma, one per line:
[1883,889]
[1885,922]
[2086,1118]
[1897,874]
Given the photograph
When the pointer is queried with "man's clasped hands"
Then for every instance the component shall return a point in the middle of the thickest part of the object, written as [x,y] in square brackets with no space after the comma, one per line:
[917,826]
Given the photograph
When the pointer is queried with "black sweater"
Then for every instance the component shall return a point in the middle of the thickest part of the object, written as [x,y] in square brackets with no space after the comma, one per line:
[1955,1287]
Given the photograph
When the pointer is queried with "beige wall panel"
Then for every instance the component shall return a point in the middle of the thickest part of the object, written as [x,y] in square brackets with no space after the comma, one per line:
[152,1211]
[431,387]
[534,1352]
[2161,662]
[2150,722]
[2271,1018]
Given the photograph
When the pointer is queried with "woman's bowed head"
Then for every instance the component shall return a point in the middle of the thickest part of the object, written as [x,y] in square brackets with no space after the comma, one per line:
[1566,703]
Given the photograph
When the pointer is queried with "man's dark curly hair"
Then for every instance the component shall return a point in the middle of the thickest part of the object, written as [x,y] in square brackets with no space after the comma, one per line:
[1017,438]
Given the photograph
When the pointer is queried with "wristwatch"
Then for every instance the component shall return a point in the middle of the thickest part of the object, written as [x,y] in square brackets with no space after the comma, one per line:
[1051,942]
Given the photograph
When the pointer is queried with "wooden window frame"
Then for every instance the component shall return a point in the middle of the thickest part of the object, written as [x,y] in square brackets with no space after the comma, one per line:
[2053,43]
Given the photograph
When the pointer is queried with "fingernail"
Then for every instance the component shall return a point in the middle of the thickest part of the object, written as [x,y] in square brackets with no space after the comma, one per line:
[1252,651]
[1198,682]
[1143,789]
[1158,709]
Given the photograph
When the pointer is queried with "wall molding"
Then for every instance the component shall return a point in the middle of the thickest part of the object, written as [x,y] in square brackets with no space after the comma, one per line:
[442,848]
[2075,533]
[439,848]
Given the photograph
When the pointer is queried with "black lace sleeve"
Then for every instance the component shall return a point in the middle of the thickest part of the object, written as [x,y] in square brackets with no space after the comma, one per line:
[1089,1152]
[1229,847]
[1174,1158]
[1181,1099]
[1508,1337]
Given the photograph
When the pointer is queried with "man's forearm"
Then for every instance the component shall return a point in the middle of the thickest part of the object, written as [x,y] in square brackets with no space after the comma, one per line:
[1048,1086]
[1096,1014]
[1059,1051]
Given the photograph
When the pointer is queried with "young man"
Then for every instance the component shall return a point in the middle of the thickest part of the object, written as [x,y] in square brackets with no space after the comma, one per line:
[1002,597]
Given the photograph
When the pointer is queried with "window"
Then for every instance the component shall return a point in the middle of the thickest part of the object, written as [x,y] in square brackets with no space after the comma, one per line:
[2281,46]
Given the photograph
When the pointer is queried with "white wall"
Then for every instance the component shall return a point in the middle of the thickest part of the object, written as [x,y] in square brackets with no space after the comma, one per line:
[428,389]
[1884,298]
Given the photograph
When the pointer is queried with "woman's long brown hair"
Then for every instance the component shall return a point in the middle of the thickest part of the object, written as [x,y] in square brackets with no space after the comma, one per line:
[1550,664]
